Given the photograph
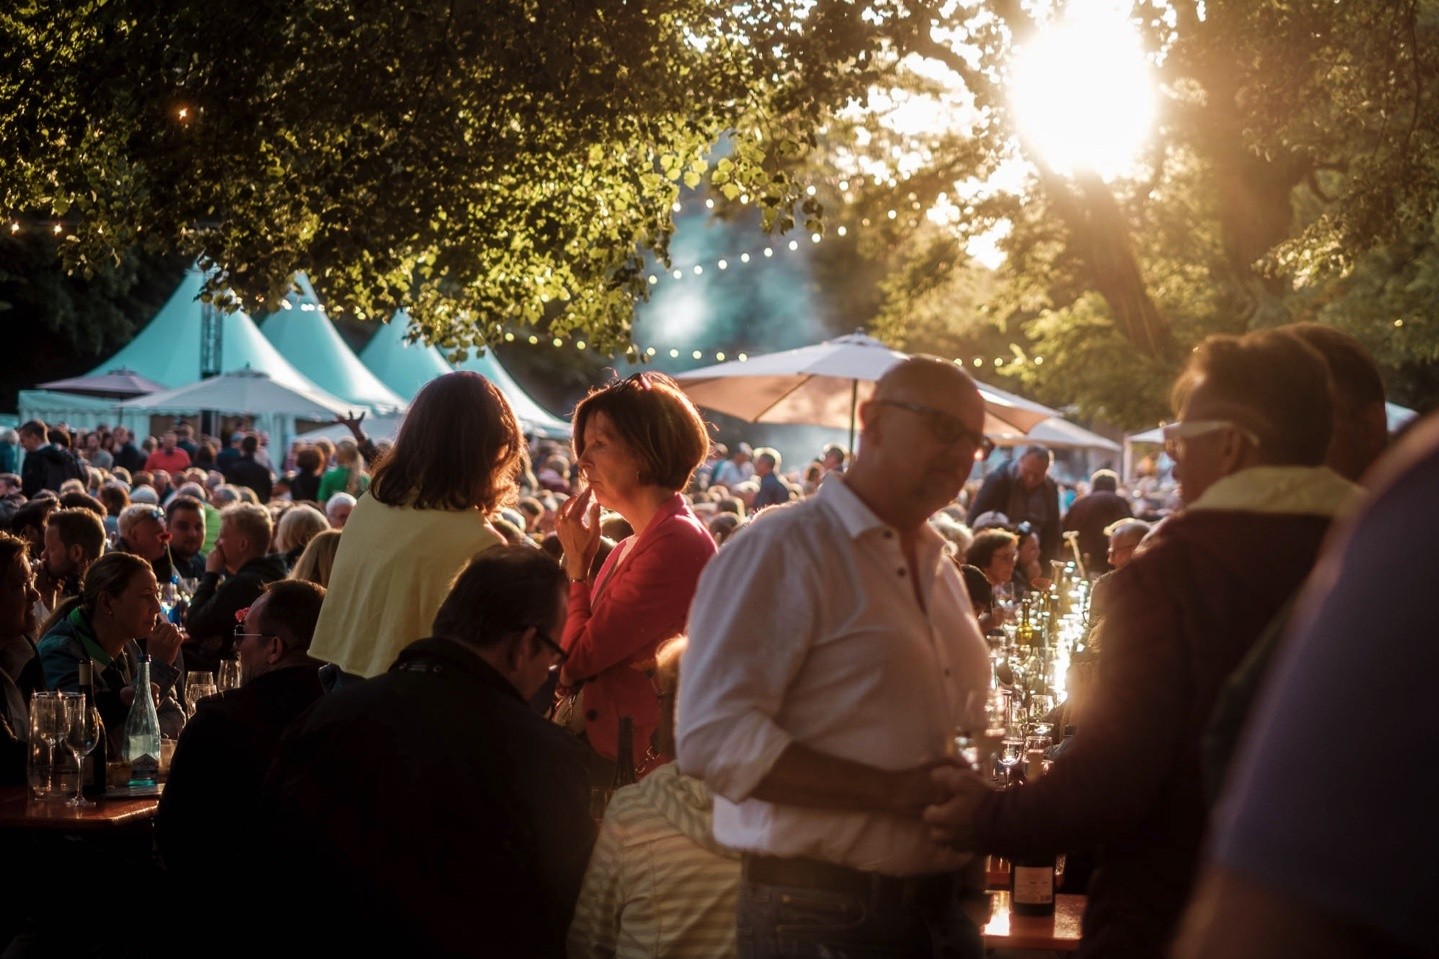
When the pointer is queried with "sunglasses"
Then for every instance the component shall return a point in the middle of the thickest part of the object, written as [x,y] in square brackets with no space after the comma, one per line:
[1176,435]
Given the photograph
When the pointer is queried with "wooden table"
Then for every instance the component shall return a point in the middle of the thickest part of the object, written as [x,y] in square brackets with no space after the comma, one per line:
[19,811]
[1059,932]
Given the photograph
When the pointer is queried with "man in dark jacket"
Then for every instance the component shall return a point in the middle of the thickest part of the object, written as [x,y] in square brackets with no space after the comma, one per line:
[1023,491]
[226,747]
[430,811]
[1254,426]
[248,471]
[1101,507]
[46,465]
[236,571]
[127,455]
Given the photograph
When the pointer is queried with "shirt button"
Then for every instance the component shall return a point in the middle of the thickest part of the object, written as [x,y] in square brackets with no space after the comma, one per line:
[946,674]
[900,571]
[889,534]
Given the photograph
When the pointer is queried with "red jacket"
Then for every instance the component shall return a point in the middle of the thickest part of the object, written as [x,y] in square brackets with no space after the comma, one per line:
[618,623]
[1181,616]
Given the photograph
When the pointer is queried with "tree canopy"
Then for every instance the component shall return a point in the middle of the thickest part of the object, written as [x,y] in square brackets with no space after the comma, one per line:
[512,162]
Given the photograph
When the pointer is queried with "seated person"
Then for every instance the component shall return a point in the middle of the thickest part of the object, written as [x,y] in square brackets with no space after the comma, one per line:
[223,753]
[235,571]
[658,884]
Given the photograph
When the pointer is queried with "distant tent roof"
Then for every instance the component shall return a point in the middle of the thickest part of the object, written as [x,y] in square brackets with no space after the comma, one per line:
[403,367]
[167,350]
[303,333]
[532,415]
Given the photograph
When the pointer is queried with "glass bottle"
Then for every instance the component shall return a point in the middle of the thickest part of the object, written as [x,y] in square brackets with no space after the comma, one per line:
[625,753]
[140,746]
[94,770]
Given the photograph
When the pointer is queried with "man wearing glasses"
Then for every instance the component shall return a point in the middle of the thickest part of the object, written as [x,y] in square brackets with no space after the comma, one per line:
[832,653]
[222,755]
[430,810]
[1254,426]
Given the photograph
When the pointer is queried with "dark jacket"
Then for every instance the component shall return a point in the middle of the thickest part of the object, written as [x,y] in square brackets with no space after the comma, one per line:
[48,467]
[211,619]
[1181,617]
[20,676]
[1090,515]
[246,472]
[1001,492]
[219,766]
[305,487]
[394,801]
[129,457]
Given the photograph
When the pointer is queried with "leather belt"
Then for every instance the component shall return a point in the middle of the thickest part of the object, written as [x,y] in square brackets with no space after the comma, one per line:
[813,874]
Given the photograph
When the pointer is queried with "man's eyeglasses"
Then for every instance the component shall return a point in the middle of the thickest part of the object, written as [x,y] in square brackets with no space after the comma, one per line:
[945,428]
[1176,435]
[555,647]
[240,634]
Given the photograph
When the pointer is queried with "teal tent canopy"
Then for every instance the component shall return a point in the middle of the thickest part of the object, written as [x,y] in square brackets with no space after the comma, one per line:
[302,332]
[532,416]
[403,367]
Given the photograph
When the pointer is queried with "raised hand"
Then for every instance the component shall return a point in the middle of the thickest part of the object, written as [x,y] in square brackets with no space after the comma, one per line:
[578,526]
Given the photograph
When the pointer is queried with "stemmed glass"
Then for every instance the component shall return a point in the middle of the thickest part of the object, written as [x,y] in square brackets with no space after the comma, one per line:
[52,721]
[83,735]
[197,687]
[1011,750]
[229,677]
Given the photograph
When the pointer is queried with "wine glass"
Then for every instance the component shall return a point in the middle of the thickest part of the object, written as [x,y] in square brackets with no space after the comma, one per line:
[82,737]
[1011,750]
[229,675]
[46,709]
[196,691]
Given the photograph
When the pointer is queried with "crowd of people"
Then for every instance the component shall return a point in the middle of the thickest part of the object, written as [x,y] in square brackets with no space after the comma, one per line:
[444,682]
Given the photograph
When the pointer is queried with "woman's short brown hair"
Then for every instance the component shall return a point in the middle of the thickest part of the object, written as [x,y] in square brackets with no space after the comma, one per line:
[459,447]
[656,420]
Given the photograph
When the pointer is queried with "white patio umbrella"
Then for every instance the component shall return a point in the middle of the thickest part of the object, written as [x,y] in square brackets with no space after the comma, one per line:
[245,391]
[1059,433]
[823,385]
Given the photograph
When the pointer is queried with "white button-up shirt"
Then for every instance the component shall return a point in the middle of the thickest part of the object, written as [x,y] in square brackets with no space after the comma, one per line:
[805,628]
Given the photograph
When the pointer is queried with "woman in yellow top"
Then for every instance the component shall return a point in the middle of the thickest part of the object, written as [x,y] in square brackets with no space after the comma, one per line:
[455,461]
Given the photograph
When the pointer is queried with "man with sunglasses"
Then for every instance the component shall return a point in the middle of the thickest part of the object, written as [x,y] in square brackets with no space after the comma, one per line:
[1253,431]
[225,748]
[833,651]
[430,810]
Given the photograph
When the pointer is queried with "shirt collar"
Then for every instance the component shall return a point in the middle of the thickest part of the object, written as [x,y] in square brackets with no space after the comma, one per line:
[1294,490]
[858,519]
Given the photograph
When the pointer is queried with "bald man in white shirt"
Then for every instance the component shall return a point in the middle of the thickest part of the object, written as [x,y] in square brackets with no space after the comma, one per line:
[833,651]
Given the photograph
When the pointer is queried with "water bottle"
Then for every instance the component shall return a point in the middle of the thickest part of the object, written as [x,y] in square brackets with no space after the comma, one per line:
[140,746]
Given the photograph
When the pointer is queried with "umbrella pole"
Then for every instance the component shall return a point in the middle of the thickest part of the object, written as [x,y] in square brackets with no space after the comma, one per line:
[853,404]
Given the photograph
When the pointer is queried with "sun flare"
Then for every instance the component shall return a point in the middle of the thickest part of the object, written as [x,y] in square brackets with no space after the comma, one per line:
[1083,90]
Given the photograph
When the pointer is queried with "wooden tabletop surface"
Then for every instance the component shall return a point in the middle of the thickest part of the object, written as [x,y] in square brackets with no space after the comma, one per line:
[1059,932]
[19,811]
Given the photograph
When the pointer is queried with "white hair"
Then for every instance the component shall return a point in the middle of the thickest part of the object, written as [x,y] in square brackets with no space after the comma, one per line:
[339,499]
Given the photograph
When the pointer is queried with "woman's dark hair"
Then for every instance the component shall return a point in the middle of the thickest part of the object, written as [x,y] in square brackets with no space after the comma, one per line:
[986,544]
[981,594]
[656,421]
[10,547]
[115,499]
[459,447]
[307,460]
[109,575]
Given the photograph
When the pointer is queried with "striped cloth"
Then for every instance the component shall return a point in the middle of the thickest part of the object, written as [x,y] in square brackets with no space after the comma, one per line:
[658,884]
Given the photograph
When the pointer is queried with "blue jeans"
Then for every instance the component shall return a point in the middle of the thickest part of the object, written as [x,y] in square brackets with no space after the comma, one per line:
[793,922]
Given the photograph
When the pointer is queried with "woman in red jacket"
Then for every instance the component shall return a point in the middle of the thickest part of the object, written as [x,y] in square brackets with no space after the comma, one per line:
[638,442]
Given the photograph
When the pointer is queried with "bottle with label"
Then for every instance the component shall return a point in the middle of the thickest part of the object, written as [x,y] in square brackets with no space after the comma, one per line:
[1031,885]
[140,745]
[94,771]
[625,753]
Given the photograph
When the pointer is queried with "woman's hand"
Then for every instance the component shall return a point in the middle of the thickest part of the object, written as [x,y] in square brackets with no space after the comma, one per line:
[164,641]
[578,526]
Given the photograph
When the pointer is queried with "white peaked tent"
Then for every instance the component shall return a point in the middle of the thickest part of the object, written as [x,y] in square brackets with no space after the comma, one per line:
[403,367]
[302,332]
[532,416]
[167,350]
